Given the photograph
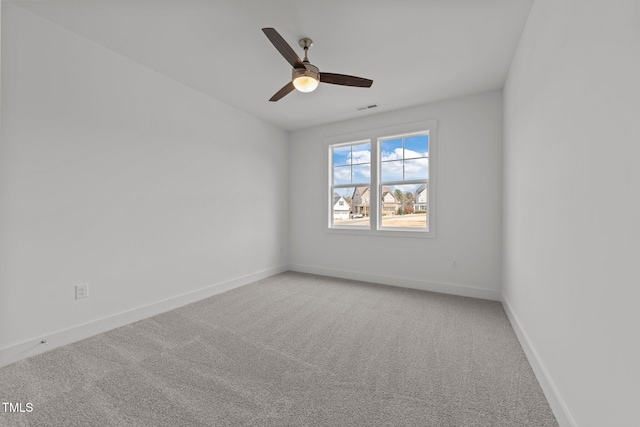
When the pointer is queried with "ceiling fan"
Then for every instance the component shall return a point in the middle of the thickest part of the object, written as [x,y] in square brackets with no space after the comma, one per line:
[305,76]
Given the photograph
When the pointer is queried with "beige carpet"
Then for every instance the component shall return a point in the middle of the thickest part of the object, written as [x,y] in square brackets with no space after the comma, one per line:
[291,350]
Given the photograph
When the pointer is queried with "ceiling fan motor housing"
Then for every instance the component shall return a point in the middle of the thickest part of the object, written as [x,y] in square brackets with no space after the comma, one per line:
[302,75]
[310,71]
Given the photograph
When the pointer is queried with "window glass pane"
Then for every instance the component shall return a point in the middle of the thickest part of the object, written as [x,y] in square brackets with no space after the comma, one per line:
[361,174]
[361,154]
[416,146]
[391,171]
[416,169]
[400,205]
[341,175]
[391,150]
[355,208]
[341,156]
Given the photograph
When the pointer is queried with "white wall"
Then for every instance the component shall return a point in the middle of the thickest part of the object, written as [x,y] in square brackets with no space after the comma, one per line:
[469,217]
[116,176]
[572,205]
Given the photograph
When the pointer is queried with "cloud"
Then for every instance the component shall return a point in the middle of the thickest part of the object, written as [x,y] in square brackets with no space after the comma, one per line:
[410,154]
[416,165]
[397,154]
[413,169]
[391,155]
[362,156]
[360,171]
[342,175]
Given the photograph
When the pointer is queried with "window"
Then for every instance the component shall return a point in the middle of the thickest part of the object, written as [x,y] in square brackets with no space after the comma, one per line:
[385,183]
[404,178]
[351,173]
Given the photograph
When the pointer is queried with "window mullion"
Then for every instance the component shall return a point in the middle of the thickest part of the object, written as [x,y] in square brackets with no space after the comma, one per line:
[375,171]
[403,159]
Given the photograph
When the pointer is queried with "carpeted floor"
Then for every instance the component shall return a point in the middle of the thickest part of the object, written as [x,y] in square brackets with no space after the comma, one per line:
[291,350]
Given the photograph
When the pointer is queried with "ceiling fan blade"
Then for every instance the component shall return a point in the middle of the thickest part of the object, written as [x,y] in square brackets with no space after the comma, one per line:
[283,47]
[282,92]
[343,79]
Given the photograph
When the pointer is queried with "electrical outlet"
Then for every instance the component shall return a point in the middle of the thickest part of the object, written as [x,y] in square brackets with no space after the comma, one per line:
[82,291]
[454,264]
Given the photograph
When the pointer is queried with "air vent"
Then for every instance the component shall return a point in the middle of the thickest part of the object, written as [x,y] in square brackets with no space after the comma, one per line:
[366,107]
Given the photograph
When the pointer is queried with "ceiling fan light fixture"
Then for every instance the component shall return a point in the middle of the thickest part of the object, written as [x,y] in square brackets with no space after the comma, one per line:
[306,79]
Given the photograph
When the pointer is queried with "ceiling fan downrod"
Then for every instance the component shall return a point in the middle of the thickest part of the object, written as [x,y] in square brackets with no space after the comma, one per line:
[305,43]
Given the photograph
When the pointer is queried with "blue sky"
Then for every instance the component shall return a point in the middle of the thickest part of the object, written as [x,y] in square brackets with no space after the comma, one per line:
[352,164]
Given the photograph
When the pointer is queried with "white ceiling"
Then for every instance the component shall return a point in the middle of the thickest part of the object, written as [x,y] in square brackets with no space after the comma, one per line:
[416,51]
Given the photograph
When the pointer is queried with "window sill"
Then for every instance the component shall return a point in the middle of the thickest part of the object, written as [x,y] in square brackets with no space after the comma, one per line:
[414,234]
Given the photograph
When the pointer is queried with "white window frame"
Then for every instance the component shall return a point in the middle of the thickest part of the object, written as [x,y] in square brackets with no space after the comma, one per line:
[373,137]
[331,186]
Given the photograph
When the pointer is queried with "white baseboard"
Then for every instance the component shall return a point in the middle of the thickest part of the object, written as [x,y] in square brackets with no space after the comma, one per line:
[559,408]
[443,288]
[16,352]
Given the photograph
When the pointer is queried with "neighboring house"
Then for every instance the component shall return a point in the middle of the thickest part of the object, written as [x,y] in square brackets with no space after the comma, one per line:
[341,208]
[421,202]
[390,204]
[361,200]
